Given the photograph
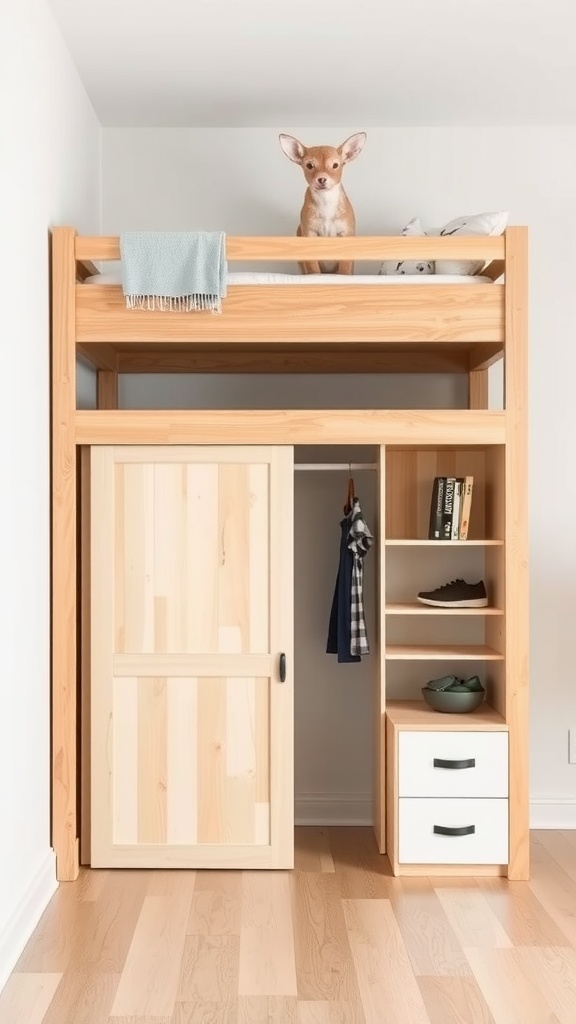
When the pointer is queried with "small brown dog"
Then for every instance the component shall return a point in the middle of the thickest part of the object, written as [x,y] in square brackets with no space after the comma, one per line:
[327,211]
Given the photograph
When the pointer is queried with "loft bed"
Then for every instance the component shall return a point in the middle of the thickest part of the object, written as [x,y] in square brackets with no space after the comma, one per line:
[346,327]
[425,326]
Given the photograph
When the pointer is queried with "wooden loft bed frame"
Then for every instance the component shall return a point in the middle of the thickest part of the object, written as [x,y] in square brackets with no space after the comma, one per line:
[349,328]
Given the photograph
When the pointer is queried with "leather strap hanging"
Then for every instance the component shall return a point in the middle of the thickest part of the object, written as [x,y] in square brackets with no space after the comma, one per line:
[350,496]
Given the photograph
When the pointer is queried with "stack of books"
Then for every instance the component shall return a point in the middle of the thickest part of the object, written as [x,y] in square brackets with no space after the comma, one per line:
[450,507]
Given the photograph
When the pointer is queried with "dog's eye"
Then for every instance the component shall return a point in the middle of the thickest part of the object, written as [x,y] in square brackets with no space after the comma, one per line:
[310,166]
[334,166]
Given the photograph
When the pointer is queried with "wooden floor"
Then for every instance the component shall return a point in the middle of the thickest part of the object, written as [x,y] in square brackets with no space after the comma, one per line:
[337,941]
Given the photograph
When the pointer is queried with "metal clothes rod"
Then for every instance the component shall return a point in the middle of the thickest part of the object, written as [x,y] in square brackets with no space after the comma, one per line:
[340,466]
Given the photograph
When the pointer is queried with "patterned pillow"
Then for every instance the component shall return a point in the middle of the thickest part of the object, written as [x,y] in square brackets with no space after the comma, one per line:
[476,224]
[414,267]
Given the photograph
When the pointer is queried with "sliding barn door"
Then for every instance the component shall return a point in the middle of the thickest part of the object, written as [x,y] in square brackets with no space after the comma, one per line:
[192,611]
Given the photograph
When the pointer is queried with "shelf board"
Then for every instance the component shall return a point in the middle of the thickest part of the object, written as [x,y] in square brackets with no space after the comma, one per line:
[423,609]
[415,714]
[431,652]
[395,542]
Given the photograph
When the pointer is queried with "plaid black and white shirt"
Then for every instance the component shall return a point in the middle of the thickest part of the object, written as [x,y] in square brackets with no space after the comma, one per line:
[360,541]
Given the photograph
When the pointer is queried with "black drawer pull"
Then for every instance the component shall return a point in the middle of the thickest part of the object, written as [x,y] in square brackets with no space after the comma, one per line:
[464,830]
[282,668]
[468,762]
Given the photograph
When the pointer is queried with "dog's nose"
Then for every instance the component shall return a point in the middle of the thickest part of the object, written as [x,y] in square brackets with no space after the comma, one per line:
[322,181]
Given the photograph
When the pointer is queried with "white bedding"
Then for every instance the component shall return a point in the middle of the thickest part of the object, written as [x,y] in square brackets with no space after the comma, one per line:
[267,278]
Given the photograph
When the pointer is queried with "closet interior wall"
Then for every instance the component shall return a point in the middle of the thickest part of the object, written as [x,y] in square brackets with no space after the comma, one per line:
[333,720]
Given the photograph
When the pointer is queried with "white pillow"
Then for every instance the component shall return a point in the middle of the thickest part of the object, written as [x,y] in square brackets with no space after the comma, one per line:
[475,224]
[413,267]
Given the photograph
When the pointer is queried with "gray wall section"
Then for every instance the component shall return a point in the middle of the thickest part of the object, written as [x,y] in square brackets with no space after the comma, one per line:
[292,391]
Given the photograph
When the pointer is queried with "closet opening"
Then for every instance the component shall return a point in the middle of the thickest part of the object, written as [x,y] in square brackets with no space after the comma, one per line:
[334,717]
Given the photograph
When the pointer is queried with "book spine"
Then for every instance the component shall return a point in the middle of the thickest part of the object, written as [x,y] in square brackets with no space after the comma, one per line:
[448,508]
[466,506]
[455,535]
[436,508]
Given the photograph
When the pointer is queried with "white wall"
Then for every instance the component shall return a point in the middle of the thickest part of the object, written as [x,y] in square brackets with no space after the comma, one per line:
[239,181]
[50,175]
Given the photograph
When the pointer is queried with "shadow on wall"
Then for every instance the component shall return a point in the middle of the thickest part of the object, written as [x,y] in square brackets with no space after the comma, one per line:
[293,391]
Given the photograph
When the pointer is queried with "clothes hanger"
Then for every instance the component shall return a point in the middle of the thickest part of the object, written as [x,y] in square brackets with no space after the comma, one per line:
[350,494]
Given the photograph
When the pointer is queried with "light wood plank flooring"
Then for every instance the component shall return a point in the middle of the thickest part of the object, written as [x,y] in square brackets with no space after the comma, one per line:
[336,941]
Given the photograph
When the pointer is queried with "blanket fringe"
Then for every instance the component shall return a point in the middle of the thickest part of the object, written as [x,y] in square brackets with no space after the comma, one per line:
[175,304]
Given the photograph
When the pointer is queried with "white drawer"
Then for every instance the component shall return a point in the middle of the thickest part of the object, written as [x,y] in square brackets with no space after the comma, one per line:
[463,763]
[486,822]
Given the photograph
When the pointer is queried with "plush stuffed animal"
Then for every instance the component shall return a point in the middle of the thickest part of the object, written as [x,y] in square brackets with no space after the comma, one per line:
[414,267]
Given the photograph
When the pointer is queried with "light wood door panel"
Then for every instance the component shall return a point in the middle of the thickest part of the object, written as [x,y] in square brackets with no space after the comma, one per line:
[192,605]
[175,525]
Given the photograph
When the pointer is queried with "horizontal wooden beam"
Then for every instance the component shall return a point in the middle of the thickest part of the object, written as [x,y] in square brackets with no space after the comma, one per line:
[494,270]
[84,269]
[339,426]
[359,247]
[102,357]
[361,360]
[319,314]
[483,356]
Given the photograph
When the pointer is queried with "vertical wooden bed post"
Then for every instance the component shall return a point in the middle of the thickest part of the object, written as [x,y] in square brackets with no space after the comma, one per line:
[516,544]
[381,782]
[478,389]
[64,624]
[106,398]
[107,389]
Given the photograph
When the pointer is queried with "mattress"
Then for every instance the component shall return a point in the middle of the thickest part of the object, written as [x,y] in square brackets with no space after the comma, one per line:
[377,279]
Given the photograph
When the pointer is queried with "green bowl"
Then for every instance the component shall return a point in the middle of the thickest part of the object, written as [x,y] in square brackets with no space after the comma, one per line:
[452,702]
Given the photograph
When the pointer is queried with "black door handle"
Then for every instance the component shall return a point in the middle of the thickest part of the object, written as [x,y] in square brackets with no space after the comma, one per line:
[469,762]
[282,668]
[464,830]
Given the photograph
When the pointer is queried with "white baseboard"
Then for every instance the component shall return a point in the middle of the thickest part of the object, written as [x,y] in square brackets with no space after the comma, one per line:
[333,809]
[552,813]
[28,912]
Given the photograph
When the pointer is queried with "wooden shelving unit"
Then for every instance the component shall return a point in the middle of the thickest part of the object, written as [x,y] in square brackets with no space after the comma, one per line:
[413,542]
[415,714]
[430,610]
[438,652]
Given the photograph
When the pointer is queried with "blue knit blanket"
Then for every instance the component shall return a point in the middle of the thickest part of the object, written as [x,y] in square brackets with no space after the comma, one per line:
[174,270]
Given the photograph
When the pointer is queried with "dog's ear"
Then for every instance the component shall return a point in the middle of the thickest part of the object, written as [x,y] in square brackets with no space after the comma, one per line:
[294,150]
[352,148]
